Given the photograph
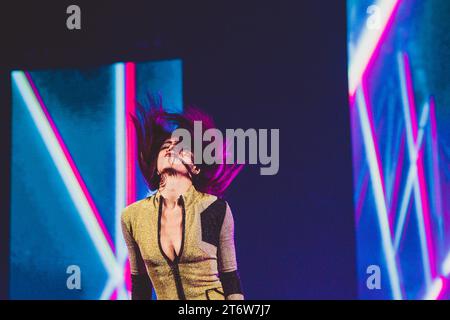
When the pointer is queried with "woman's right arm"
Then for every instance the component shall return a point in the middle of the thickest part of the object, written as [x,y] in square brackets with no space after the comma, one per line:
[141,285]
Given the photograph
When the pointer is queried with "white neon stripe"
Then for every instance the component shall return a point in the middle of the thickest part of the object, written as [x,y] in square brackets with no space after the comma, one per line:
[446,266]
[434,289]
[119,70]
[120,136]
[68,177]
[412,175]
[367,44]
[113,284]
[413,151]
[109,288]
[380,201]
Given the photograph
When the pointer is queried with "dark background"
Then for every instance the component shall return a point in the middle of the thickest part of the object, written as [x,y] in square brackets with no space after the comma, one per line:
[250,64]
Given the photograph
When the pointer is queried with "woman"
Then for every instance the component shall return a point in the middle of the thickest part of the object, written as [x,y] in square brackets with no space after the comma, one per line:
[180,239]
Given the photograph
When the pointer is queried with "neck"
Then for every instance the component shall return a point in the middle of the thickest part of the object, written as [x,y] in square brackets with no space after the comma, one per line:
[174,187]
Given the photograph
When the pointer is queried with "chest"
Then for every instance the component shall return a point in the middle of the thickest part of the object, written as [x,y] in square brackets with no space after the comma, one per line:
[171,231]
[187,234]
[169,234]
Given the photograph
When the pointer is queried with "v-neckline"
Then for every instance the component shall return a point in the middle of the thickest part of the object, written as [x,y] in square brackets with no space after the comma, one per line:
[177,257]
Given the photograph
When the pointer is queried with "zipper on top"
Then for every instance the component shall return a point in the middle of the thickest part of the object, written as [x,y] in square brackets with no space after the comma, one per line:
[173,264]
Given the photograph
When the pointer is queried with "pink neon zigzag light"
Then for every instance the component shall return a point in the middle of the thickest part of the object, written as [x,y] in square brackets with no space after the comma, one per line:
[130,96]
[420,166]
[439,283]
[130,93]
[369,60]
[71,162]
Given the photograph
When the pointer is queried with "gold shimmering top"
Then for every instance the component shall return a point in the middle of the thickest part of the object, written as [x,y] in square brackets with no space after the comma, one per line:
[207,246]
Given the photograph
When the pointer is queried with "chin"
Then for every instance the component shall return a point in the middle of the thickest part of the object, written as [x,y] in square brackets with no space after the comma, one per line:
[173,171]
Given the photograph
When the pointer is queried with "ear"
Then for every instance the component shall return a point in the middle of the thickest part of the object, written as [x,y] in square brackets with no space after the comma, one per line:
[195,170]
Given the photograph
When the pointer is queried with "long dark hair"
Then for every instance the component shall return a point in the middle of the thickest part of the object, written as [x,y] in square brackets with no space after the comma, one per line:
[154,125]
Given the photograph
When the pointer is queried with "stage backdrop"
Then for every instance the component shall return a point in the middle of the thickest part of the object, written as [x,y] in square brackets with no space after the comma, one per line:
[251,64]
[399,104]
[73,170]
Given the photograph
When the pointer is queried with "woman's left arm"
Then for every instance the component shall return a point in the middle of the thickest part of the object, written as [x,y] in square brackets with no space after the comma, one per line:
[227,261]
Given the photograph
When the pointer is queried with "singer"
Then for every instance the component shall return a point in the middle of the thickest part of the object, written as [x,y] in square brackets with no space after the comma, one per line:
[181,238]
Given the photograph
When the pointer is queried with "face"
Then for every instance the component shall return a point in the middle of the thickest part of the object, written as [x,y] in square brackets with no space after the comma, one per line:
[170,157]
